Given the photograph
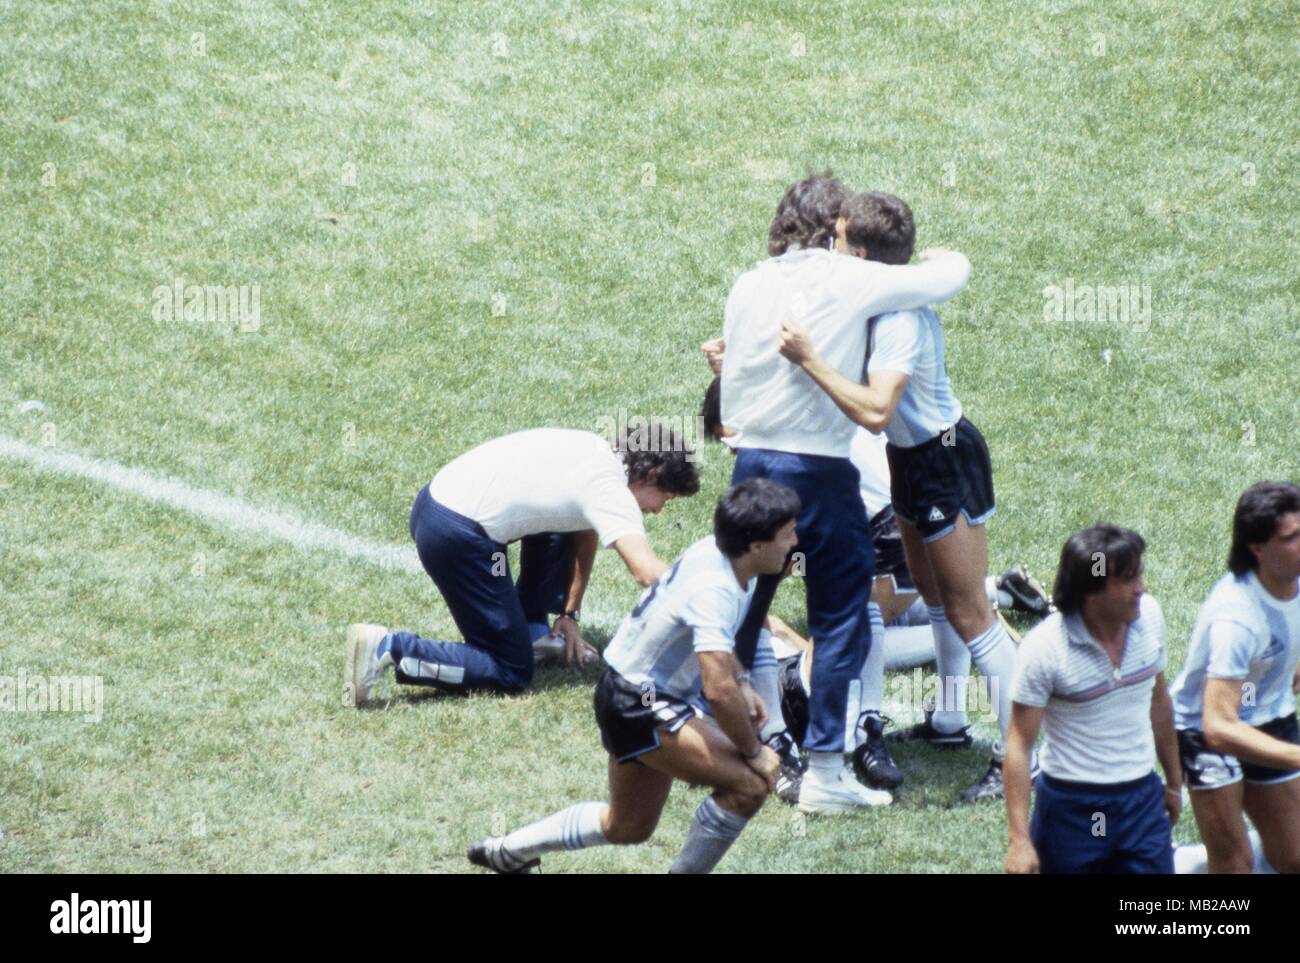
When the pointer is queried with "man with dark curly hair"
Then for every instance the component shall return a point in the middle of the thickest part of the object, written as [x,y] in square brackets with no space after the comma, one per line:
[559,493]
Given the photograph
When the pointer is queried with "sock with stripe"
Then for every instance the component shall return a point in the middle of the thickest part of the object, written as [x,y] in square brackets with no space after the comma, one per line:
[574,828]
[995,656]
[766,680]
[712,832]
[952,659]
[871,680]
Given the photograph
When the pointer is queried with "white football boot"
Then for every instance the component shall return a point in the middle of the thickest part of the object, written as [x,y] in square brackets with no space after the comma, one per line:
[842,795]
[363,667]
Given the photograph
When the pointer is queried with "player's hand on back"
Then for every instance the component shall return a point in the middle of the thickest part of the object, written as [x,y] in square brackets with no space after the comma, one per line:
[932,252]
[794,342]
[713,350]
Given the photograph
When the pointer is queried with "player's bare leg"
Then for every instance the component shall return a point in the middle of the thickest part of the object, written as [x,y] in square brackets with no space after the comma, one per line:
[946,726]
[1275,811]
[1219,818]
[637,795]
[959,561]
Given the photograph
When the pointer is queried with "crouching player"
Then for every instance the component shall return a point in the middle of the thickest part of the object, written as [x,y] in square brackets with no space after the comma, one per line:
[1092,675]
[1234,702]
[675,647]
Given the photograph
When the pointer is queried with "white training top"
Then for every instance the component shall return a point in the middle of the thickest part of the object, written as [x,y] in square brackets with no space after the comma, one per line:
[911,343]
[868,456]
[543,480]
[695,606]
[1243,633]
[770,402]
[1097,724]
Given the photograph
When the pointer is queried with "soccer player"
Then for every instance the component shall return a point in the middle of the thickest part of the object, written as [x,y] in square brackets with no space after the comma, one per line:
[789,432]
[1092,676]
[561,493]
[941,477]
[675,647]
[1234,701]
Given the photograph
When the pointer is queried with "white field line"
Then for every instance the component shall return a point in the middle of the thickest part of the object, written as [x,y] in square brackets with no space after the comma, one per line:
[224,510]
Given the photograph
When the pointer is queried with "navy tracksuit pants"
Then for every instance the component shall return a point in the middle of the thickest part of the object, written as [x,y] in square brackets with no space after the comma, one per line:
[493,613]
[838,569]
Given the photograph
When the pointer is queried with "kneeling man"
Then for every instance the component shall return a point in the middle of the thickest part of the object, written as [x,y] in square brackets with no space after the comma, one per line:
[674,649]
[558,492]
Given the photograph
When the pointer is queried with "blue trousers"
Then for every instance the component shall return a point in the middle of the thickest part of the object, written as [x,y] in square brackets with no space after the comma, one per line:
[472,572]
[1095,828]
[838,568]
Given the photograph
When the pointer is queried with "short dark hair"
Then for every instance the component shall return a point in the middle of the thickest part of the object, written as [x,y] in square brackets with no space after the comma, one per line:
[880,223]
[752,511]
[807,213]
[1090,557]
[1259,509]
[669,455]
[711,410]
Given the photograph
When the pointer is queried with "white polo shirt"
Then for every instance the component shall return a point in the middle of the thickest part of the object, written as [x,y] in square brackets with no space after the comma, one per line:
[769,401]
[1097,727]
[543,480]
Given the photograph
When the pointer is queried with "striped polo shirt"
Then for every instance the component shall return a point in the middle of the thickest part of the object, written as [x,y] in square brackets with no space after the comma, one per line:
[1097,723]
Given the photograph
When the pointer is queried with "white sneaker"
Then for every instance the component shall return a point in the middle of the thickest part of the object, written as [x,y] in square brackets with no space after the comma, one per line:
[844,795]
[362,668]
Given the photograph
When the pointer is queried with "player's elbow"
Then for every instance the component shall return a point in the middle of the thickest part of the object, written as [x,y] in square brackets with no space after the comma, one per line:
[1218,734]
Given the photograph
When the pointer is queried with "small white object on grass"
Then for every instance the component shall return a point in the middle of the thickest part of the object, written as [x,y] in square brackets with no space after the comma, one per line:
[1105,356]
[27,407]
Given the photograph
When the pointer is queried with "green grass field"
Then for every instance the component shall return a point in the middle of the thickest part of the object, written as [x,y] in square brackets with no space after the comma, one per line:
[464,219]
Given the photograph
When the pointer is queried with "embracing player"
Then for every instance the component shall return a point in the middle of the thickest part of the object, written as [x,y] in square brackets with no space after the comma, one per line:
[789,432]
[676,647]
[941,476]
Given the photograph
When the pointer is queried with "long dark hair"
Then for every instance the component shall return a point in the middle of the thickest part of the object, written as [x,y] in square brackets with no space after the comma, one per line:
[1090,557]
[807,214]
[1259,509]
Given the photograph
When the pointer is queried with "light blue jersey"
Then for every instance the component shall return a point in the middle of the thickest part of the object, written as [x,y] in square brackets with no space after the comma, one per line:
[1242,633]
[695,606]
[911,343]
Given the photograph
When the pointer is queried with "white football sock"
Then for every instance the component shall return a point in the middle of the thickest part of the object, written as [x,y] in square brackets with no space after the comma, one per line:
[574,828]
[871,680]
[952,659]
[995,656]
[766,678]
[825,766]
[712,832]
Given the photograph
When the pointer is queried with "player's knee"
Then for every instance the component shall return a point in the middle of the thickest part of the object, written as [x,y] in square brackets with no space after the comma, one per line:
[747,795]
[968,619]
[515,679]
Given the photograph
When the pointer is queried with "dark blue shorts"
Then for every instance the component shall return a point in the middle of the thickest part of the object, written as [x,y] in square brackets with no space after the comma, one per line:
[1102,828]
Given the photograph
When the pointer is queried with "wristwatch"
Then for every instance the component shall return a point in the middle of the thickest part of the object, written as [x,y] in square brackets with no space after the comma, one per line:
[573,614]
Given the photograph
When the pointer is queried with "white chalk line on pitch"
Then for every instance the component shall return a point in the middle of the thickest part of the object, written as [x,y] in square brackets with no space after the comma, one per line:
[225,510]
[233,513]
